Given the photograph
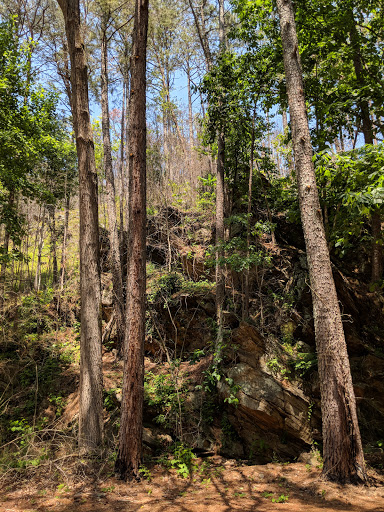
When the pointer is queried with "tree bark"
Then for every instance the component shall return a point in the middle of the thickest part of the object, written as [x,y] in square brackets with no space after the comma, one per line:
[91,378]
[220,209]
[131,424]
[117,278]
[343,453]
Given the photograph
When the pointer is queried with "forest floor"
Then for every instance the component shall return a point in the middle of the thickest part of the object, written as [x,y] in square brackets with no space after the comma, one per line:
[223,487]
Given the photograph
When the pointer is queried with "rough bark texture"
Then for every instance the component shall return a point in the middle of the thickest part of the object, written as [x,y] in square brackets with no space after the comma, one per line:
[220,208]
[131,425]
[91,381]
[343,454]
[117,279]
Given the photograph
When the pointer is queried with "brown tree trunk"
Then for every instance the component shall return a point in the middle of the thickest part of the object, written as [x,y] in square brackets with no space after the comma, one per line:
[91,377]
[220,209]
[121,172]
[343,454]
[131,424]
[117,279]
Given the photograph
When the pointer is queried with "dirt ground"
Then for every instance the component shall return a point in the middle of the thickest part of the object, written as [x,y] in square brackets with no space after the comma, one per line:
[224,486]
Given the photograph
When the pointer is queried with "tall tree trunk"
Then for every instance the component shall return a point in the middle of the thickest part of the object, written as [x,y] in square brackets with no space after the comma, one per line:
[131,424]
[220,209]
[91,377]
[117,279]
[121,171]
[343,453]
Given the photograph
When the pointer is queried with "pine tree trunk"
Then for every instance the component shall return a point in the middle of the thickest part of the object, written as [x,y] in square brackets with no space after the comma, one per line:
[91,377]
[121,174]
[131,424]
[117,279]
[343,454]
[220,209]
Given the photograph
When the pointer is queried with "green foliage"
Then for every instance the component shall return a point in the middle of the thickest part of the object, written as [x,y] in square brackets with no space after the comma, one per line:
[35,152]
[281,499]
[183,460]
[110,400]
[164,288]
[165,396]
[351,186]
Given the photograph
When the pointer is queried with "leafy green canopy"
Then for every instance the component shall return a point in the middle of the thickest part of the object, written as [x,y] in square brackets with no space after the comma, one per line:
[34,148]
[351,186]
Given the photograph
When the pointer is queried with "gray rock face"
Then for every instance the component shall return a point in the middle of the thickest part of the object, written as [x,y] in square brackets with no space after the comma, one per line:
[272,414]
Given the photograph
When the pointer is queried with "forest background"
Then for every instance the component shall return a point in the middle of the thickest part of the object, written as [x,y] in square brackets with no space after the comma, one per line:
[224,243]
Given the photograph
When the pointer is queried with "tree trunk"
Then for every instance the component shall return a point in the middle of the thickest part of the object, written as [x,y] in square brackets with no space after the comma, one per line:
[121,172]
[91,377]
[131,424]
[117,279]
[343,454]
[220,208]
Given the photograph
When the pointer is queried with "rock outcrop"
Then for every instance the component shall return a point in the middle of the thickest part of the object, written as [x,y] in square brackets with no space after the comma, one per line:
[272,414]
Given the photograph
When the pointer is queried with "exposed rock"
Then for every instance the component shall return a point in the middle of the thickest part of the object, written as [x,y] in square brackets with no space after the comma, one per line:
[270,410]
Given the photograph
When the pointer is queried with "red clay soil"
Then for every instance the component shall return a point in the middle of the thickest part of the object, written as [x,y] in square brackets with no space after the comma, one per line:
[223,487]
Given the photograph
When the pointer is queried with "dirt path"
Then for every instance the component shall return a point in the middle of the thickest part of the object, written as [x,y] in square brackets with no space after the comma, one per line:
[223,487]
